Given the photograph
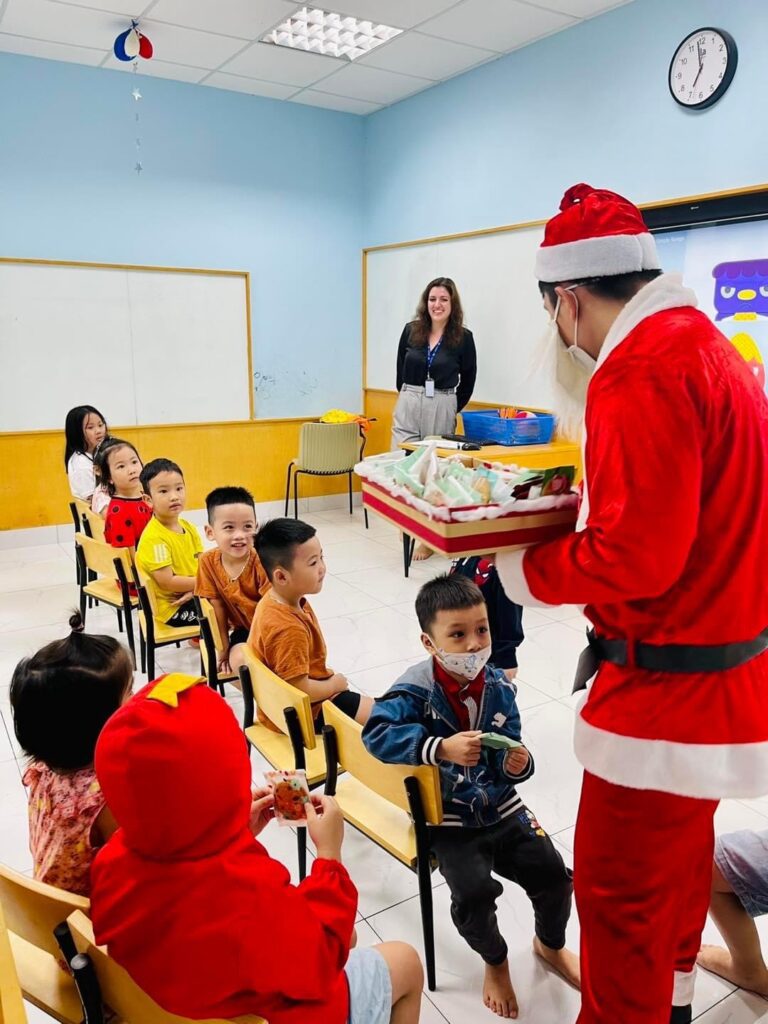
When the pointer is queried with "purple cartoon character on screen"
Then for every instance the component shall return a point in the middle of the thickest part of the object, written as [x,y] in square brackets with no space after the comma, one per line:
[741,289]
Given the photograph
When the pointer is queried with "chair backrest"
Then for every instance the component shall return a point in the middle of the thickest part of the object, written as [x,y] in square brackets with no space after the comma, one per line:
[33,909]
[385,779]
[206,609]
[95,523]
[146,587]
[100,557]
[81,507]
[120,992]
[273,695]
[329,447]
[11,1001]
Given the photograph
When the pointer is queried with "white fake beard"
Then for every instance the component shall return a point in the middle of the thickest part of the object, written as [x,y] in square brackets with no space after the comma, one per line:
[566,379]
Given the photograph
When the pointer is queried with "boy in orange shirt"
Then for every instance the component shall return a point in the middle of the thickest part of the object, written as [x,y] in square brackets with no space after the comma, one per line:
[230,575]
[285,633]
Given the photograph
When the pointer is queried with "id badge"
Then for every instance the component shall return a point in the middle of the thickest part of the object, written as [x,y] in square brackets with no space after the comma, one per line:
[429,388]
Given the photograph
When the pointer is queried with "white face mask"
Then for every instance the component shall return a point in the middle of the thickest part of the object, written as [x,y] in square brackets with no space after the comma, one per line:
[466,665]
[568,370]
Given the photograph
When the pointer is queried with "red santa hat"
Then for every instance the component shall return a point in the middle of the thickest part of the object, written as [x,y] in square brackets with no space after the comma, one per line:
[596,234]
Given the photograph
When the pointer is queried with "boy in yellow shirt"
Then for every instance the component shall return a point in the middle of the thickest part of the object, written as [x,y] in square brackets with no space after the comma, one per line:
[169,545]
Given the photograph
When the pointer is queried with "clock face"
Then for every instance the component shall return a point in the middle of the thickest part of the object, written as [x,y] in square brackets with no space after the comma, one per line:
[703,68]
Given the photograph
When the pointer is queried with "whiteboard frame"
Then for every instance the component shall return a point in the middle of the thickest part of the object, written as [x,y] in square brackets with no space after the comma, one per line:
[500,230]
[87,265]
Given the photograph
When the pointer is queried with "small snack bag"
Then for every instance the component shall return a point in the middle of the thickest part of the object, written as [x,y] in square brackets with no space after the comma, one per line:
[291,794]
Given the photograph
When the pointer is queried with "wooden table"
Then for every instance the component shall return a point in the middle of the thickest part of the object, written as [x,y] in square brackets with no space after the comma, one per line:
[531,456]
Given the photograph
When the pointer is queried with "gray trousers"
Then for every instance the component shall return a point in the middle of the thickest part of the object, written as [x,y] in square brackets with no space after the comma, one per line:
[417,416]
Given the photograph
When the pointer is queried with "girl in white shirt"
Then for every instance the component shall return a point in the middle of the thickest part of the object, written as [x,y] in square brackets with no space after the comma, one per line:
[85,429]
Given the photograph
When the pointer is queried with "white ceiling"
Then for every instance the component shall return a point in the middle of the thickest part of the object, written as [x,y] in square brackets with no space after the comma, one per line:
[215,42]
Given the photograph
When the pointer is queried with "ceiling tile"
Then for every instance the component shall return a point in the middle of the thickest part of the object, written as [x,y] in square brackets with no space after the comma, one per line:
[247,19]
[50,51]
[579,8]
[126,8]
[311,98]
[237,83]
[499,25]
[60,23]
[370,84]
[425,56]
[279,64]
[157,69]
[400,13]
[188,46]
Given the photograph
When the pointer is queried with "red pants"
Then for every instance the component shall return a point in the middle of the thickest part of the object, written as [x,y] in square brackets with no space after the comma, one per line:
[643,872]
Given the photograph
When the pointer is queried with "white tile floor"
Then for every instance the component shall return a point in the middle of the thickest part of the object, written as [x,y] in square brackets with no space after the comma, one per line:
[366,610]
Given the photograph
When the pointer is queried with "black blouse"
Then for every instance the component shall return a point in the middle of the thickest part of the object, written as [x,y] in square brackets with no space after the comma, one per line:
[452,367]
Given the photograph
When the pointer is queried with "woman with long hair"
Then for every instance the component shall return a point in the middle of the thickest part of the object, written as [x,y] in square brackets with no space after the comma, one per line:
[436,369]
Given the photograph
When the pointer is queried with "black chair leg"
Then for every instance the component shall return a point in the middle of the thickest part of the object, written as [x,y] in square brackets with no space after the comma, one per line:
[427,920]
[350,492]
[288,488]
[143,651]
[409,543]
[83,604]
[296,494]
[119,619]
[365,516]
[150,661]
[301,837]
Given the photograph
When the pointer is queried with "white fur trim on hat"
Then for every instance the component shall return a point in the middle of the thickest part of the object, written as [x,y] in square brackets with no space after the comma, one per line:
[597,257]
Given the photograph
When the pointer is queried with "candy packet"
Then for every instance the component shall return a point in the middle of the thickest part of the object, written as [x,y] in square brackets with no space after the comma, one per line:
[558,480]
[291,794]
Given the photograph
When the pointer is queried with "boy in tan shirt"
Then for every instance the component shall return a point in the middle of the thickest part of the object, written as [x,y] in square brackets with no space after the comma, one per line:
[285,634]
[230,575]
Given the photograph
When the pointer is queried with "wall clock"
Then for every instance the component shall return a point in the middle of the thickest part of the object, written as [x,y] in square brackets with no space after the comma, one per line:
[702,68]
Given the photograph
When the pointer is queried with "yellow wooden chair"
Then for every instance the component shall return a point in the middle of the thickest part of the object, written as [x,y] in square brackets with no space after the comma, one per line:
[93,524]
[153,632]
[101,981]
[210,645]
[11,1000]
[113,568]
[32,911]
[296,745]
[393,804]
[325,449]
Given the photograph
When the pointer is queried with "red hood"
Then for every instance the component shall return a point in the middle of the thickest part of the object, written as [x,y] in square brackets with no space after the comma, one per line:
[177,779]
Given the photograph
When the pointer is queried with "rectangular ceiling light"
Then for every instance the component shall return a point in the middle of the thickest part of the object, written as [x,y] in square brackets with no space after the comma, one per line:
[332,35]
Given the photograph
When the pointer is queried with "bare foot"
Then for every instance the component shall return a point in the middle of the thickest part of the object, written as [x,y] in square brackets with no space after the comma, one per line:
[720,962]
[563,961]
[498,994]
[422,553]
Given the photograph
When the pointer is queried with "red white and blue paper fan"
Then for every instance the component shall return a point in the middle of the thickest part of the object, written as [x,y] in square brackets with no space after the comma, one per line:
[132,44]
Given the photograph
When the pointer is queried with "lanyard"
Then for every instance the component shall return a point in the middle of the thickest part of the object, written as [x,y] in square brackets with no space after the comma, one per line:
[431,353]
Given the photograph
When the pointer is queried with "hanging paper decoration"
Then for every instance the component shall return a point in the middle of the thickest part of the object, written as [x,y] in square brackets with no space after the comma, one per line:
[132,44]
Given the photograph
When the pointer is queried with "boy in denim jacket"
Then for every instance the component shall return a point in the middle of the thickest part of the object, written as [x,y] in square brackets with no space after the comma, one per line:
[437,713]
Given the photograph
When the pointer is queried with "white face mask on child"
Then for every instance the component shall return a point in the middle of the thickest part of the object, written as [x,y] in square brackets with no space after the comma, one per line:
[466,665]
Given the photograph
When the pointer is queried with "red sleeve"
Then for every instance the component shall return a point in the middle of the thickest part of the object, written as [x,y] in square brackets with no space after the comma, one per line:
[644,463]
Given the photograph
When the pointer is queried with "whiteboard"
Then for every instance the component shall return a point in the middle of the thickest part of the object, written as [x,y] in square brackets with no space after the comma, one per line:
[146,346]
[494,273]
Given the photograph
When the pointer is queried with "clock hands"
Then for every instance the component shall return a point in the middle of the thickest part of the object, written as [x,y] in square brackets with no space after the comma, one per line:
[701,68]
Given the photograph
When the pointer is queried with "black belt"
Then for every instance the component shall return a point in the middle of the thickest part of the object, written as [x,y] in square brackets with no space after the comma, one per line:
[674,658]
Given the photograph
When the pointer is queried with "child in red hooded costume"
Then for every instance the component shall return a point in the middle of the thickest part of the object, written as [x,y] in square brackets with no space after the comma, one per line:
[195,909]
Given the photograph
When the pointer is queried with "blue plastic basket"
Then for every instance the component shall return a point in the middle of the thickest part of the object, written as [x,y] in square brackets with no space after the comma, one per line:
[487,425]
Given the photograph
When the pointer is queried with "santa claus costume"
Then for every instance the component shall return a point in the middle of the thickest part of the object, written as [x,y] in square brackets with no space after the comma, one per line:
[668,559]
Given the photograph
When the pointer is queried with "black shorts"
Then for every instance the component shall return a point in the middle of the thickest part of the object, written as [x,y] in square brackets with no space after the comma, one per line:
[184,616]
[348,702]
[239,635]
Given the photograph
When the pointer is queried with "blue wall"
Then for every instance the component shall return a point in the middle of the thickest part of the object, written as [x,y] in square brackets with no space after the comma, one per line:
[230,181]
[500,145]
